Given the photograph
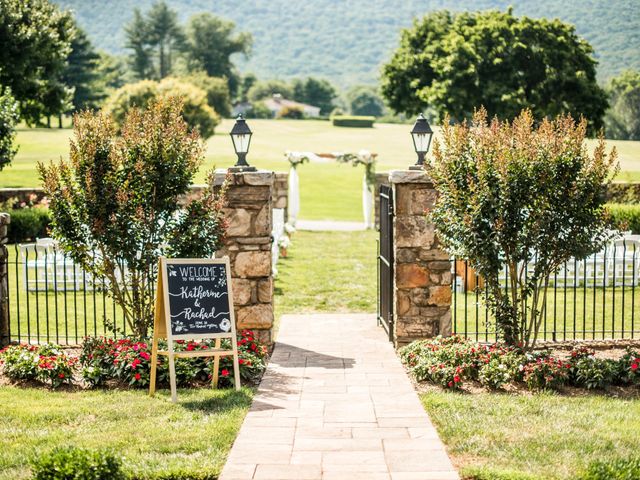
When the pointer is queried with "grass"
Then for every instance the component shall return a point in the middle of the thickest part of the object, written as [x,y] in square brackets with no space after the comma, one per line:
[155,437]
[328,190]
[328,272]
[540,436]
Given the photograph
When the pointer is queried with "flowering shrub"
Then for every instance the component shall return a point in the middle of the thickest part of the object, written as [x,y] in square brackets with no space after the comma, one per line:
[546,373]
[77,464]
[47,363]
[629,368]
[451,361]
[129,361]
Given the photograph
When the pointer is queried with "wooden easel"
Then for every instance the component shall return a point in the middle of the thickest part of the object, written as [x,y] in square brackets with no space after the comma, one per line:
[162,329]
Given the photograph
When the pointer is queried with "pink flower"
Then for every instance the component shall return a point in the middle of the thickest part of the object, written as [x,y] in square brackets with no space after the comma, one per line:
[224,372]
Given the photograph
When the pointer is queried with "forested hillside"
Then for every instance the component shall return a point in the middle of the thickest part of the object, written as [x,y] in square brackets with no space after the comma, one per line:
[346,41]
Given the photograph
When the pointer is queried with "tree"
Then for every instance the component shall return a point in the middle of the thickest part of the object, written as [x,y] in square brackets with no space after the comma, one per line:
[8,119]
[316,92]
[82,73]
[217,89]
[623,117]
[115,203]
[195,110]
[165,33]
[455,63]
[112,71]
[365,101]
[520,199]
[140,59]
[266,89]
[36,41]
[210,43]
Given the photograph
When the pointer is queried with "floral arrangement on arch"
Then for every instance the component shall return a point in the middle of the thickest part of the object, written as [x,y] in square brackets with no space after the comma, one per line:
[363,157]
[296,158]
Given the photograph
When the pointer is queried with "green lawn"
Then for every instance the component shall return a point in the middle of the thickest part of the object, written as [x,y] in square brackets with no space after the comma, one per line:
[540,436]
[328,190]
[155,437]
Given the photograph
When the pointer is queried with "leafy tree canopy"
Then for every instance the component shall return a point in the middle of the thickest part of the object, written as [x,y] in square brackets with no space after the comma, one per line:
[195,109]
[623,118]
[8,120]
[365,100]
[36,40]
[316,92]
[457,62]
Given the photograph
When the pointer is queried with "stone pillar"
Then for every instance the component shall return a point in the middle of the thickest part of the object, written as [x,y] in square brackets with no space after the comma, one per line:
[422,270]
[280,195]
[5,338]
[248,245]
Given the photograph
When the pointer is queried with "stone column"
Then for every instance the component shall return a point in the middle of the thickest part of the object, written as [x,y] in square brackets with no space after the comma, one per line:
[5,338]
[280,195]
[422,270]
[248,245]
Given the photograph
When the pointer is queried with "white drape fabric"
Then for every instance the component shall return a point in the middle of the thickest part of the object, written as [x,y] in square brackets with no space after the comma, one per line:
[367,203]
[294,196]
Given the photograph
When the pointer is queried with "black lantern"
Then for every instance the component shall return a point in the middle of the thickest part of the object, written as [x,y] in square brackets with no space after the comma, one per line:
[241,138]
[421,134]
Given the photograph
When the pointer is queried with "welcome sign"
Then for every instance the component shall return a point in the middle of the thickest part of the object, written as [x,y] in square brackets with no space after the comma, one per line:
[194,301]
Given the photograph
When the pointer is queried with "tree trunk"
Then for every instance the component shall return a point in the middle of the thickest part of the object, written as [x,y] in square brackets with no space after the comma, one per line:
[59,120]
[48,121]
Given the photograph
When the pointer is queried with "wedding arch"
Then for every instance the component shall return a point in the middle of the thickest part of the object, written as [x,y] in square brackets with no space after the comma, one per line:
[363,157]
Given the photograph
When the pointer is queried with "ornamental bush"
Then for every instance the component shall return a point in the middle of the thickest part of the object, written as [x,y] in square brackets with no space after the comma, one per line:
[625,217]
[451,361]
[72,463]
[48,364]
[616,469]
[120,195]
[515,193]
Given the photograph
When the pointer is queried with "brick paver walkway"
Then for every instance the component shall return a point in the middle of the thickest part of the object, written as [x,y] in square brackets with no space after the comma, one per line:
[335,403]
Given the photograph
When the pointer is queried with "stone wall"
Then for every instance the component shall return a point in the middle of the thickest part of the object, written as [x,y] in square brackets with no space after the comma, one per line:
[248,245]
[422,270]
[5,218]
[280,195]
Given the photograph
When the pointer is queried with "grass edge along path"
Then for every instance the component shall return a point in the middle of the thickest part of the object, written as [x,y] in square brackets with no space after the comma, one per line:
[532,436]
[155,437]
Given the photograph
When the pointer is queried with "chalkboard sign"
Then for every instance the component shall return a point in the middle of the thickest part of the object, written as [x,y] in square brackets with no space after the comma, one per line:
[198,298]
[194,302]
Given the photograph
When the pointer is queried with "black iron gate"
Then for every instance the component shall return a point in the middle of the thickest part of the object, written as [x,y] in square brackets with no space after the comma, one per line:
[385,261]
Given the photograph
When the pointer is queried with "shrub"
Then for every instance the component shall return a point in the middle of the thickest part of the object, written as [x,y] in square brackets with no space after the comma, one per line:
[8,119]
[545,373]
[258,110]
[77,464]
[28,224]
[591,372]
[617,469]
[196,111]
[47,363]
[19,362]
[352,121]
[129,361]
[629,368]
[625,216]
[498,206]
[294,113]
[499,371]
[121,194]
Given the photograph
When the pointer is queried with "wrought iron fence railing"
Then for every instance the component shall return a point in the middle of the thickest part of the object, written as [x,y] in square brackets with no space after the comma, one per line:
[594,298]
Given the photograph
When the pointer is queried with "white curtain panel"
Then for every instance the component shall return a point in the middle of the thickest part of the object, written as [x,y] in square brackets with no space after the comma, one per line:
[367,203]
[294,196]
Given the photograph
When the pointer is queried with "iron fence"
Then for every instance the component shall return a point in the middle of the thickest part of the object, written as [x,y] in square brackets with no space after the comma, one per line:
[52,299]
[594,298]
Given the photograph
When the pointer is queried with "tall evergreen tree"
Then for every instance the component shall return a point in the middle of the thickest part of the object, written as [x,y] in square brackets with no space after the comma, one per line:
[140,59]
[165,34]
[82,73]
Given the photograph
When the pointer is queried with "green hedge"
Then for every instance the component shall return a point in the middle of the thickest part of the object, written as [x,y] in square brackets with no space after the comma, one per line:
[78,464]
[618,469]
[626,216]
[28,224]
[352,121]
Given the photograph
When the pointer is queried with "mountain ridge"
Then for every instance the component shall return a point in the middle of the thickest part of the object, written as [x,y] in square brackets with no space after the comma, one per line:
[347,41]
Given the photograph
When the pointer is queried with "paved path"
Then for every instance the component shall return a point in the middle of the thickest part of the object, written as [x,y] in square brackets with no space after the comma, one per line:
[329,226]
[335,403]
